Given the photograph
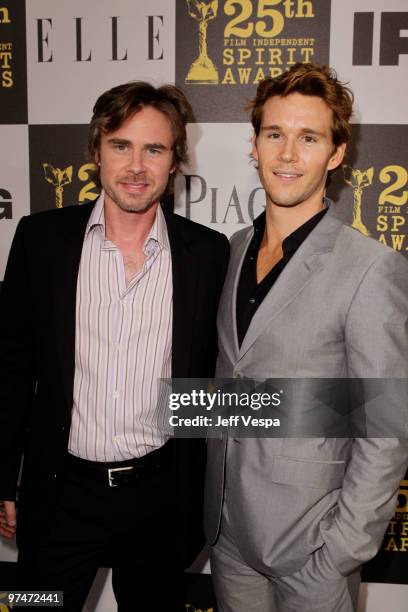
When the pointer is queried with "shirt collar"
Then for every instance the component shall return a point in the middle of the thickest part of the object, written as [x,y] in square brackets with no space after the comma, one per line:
[158,232]
[295,239]
[97,216]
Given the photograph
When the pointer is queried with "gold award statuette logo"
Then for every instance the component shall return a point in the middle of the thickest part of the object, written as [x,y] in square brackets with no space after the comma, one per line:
[4,607]
[58,178]
[202,70]
[358,180]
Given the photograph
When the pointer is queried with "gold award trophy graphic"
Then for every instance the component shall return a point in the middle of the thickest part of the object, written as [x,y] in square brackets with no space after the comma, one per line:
[58,178]
[358,180]
[3,602]
[202,70]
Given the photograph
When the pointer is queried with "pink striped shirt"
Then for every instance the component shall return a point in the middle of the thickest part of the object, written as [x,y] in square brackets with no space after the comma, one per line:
[123,342]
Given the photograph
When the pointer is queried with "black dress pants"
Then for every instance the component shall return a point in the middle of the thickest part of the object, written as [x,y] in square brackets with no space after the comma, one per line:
[131,528]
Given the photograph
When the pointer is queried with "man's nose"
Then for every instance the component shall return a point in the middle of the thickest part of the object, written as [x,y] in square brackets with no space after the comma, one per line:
[288,151]
[136,160]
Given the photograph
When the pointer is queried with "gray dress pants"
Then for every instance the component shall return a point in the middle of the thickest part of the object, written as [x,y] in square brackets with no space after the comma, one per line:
[316,587]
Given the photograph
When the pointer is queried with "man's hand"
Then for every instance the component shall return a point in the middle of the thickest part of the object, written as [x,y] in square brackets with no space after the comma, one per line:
[7,519]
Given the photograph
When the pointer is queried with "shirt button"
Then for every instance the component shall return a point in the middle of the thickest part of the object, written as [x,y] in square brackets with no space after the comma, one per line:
[252,300]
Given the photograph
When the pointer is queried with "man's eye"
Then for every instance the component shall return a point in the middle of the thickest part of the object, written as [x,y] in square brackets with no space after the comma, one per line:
[120,147]
[309,139]
[274,135]
[153,150]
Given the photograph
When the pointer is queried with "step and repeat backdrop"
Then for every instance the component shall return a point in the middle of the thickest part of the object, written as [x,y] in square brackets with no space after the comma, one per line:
[56,57]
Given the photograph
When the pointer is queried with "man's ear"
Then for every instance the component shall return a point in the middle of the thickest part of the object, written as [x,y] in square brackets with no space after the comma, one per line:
[174,166]
[337,156]
[254,150]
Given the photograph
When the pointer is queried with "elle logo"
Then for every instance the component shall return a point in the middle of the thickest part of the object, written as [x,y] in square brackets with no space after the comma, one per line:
[118,51]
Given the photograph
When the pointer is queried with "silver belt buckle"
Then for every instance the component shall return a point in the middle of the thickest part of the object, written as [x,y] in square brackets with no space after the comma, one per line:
[120,469]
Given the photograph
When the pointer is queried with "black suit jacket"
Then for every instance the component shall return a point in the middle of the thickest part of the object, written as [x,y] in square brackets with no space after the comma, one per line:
[37,343]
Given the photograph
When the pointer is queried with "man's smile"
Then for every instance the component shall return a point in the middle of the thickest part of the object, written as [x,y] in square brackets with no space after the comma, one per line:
[287,176]
[134,187]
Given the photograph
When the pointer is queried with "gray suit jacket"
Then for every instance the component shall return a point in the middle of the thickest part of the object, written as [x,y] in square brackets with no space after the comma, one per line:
[339,309]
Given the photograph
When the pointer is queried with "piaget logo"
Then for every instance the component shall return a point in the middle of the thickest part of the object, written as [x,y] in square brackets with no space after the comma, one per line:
[60,178]
[226,204]
[253,44]
[6,52]
[391,205]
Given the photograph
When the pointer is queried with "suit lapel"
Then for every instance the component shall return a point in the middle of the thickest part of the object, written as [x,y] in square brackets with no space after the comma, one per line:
[185,271]
[302,268]
[64,285]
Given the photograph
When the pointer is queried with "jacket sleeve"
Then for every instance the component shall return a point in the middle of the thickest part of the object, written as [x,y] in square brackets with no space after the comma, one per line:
[376,337]
[16,359]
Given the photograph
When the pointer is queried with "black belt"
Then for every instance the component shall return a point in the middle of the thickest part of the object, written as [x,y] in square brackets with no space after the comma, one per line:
[117,473]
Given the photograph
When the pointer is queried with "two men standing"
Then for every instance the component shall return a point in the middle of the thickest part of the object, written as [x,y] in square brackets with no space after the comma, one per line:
[305,297]
[103,300]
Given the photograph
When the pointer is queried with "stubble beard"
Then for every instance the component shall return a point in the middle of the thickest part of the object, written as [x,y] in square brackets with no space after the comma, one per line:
[140,206]
[285,204]
[290,200]
[287,201]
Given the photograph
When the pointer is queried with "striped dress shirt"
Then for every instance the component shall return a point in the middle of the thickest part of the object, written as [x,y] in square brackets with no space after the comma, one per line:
[123,342]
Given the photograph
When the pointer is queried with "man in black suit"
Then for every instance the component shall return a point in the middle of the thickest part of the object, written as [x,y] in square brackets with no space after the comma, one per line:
[98,302]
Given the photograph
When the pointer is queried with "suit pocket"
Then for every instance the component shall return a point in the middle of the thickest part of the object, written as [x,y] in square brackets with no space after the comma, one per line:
[327,475]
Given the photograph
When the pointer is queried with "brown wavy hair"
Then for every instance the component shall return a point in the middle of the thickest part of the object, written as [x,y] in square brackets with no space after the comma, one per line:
[309,80]
[117,105]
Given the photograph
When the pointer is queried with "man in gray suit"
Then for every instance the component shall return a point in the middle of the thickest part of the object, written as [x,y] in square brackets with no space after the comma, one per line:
[306,296]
